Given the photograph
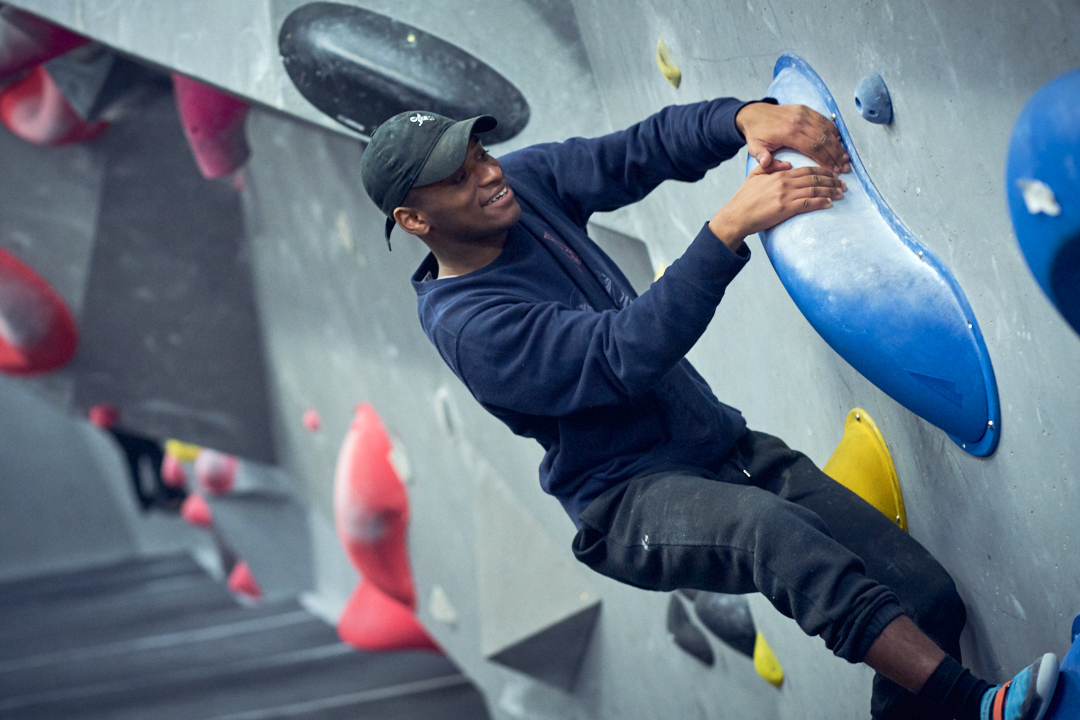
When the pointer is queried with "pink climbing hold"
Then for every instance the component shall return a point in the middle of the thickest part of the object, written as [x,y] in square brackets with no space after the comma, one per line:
[172,472]
[27,41]
[37,332]
[214,125]
[104,415]
[215,471]
[35,110]
[196,511]
[311,420]
[375,622]
[242,582]
[371,508]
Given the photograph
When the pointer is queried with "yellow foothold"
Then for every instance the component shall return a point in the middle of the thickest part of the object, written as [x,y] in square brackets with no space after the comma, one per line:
[862,464]
[182,451]
[667,64]
[765,662]
[660,270]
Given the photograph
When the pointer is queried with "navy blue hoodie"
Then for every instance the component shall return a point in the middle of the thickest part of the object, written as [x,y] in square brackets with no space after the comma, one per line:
[551,338]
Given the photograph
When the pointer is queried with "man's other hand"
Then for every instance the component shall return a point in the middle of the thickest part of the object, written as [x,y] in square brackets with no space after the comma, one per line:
[767,128]
[770,196]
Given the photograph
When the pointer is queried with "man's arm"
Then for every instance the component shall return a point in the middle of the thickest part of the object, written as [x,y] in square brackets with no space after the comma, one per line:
[681,142]
[587,175]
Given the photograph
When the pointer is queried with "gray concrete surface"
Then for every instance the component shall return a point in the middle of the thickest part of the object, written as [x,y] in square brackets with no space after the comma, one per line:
[339,325]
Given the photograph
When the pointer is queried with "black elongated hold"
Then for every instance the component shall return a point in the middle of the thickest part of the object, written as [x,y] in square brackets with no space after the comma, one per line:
[362,68]
[685,633]
[729,618]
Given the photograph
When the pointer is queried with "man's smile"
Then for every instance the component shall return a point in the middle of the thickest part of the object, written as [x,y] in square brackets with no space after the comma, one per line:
[499,196]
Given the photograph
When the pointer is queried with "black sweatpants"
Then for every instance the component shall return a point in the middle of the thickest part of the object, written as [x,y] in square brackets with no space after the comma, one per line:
[770,521]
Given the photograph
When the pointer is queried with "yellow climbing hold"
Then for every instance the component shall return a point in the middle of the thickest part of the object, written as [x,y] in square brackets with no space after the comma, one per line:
[660,270]
[765,662]
[667,64]
[862,464]
[182,451]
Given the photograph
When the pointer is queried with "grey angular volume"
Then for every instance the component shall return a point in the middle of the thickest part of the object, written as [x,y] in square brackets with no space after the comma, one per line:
[728,617]
[362,68]
[685,633]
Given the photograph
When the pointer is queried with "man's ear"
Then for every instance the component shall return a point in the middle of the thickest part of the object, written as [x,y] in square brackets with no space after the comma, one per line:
[411,221]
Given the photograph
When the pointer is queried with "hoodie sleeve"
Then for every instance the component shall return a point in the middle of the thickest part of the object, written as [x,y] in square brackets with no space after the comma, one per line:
[547,359]
[587,175]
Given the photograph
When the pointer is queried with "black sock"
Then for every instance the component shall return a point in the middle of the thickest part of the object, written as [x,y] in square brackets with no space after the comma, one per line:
[955,690]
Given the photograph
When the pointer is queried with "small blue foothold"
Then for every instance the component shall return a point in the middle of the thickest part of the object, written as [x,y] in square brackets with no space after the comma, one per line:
[1075,628]
[872,99]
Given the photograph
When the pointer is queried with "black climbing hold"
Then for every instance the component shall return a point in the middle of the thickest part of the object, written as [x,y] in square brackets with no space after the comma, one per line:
[685,633]
[872,99]
[362,68]
[728,617]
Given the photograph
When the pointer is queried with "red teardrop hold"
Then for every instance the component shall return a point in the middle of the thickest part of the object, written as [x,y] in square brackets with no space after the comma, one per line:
[196,511]
[27,41]
[215,471]
[371,507]
[172,472]
[242,582]
[311,420]
[214,125]
[35,110]
[374,621]
[37,332]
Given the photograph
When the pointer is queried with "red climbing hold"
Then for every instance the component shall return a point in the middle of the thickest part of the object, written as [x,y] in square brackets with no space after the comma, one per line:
[242,582]
[371,508]
[214,125]
[172,472]
[196,511]
[37,332]
[311,420]
[374,621]
[35,110]
[104,415]
[27,41]
[215,471]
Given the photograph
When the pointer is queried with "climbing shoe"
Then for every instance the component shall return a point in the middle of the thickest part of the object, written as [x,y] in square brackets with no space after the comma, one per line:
[1027,696]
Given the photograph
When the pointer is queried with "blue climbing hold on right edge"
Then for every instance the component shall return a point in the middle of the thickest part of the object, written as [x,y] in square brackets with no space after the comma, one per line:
[1042,178]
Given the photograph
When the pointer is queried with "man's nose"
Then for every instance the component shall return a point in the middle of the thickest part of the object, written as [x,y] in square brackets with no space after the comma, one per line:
[489,173]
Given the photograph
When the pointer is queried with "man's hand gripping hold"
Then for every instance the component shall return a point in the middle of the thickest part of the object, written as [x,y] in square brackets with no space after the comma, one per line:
[773,191]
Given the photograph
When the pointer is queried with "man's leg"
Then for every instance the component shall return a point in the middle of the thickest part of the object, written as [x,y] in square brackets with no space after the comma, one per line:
[677,530]
[891,557]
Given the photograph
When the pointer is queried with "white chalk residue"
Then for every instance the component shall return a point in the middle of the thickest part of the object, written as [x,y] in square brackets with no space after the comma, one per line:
[1038,197]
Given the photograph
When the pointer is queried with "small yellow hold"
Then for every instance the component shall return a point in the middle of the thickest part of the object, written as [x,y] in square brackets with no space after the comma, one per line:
[182,451]
[765,662]
[862,464]
[660,270]
[667,64]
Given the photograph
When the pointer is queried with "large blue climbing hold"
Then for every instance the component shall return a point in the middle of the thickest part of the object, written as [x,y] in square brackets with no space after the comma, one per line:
[1042,178]
[884,302]
[1066,702]
[872,99]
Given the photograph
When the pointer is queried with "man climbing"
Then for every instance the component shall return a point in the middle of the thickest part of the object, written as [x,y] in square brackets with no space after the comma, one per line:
[667,486]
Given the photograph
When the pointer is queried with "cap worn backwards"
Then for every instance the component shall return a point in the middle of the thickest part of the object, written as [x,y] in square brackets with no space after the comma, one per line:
[412,149]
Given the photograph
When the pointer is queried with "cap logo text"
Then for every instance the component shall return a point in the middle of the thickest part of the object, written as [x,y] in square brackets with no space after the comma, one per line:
[420,119]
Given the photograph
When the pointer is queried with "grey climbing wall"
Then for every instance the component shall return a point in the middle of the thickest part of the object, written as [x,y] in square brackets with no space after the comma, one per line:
[338,316]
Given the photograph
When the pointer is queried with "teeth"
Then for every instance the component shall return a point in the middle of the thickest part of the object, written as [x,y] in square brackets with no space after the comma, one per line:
[499,196]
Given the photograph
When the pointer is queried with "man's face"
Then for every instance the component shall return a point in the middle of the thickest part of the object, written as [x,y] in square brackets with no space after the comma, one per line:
[472,205]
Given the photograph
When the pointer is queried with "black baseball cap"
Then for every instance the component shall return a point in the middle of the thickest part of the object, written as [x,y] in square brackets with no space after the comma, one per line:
[411,149]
